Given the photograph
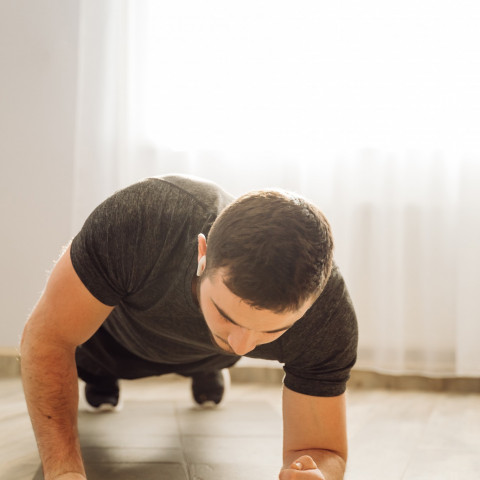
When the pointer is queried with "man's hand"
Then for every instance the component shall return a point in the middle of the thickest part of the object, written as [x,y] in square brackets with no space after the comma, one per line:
[304,468]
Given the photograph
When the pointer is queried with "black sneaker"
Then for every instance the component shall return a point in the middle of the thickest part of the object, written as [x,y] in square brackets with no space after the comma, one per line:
[103,398]
[208,388]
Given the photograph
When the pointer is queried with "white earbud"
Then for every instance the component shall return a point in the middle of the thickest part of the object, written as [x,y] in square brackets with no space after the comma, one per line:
[201,265]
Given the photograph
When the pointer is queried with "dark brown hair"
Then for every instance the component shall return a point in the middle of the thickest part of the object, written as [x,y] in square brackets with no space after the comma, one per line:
[276,248]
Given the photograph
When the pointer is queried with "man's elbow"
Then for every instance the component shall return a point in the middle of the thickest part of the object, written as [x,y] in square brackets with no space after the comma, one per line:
[40,346]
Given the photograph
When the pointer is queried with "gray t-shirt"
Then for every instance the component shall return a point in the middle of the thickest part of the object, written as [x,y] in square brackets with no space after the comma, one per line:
[138,251]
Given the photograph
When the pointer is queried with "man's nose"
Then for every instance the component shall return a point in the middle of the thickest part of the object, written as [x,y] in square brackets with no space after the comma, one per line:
[242,340]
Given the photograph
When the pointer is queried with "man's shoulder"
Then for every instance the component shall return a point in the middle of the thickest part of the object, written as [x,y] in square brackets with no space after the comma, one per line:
[335,295]
[206,192]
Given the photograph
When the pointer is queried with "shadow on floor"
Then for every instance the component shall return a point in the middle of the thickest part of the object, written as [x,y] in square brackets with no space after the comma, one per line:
[172,441]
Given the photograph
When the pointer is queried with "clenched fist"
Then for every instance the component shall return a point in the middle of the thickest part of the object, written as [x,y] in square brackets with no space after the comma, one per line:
[304,468]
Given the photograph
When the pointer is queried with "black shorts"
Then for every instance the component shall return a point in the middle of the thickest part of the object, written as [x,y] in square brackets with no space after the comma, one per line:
[103,358]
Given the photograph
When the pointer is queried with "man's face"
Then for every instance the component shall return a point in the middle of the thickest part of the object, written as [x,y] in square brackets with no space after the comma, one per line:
[235,326]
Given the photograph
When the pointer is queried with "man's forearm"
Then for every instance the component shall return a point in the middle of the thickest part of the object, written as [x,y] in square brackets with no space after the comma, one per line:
[51,392]
[329,463]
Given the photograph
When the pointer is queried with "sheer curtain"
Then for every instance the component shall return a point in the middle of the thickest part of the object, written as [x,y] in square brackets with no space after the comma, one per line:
[369,109]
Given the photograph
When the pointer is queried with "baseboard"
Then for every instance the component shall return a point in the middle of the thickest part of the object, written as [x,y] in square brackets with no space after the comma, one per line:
[367,380]
[371,380]
[257,374]
[10,367]
[9,362]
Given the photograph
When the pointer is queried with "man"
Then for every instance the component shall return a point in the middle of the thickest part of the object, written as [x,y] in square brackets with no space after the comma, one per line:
[136,294]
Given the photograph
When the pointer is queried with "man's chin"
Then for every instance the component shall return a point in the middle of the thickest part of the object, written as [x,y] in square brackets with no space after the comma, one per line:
[222,344]
[225,347]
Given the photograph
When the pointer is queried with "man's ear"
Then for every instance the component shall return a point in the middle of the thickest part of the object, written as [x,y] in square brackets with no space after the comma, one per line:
[201,266]
[202,252]
[202,246]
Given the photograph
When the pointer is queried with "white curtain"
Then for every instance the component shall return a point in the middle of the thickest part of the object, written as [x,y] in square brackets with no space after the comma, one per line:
[370,109]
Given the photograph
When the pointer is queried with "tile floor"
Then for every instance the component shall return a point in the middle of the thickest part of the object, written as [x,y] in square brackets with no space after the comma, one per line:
[159,435]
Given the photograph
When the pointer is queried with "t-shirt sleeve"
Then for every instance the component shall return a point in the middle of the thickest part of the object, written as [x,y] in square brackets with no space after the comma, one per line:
[321,348]
[127,234]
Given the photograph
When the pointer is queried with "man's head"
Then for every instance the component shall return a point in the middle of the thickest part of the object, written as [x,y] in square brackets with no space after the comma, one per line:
[269,256]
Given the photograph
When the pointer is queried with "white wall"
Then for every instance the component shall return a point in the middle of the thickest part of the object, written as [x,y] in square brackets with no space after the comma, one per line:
[38,62]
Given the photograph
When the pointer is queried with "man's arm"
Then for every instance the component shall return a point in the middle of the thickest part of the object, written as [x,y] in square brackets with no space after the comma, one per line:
[314,437]
[65,316]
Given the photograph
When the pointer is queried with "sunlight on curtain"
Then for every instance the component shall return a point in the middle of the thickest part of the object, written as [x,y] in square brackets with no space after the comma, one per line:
[312,75]
[372,110]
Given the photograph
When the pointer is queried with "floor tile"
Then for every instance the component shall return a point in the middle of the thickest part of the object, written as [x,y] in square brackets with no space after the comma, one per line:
[151,418]
[382,443]
[128,440]
[150,438]
[159,435]
[234,419]
[454,425]
[18,470]
[237,471]
[231,450]
[431,464]
[139,424]
[132,471]
[17,444]
[132,455]
[377,463]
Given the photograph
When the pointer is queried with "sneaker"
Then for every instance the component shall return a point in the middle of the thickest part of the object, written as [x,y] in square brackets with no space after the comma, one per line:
[208,388]
[102,398]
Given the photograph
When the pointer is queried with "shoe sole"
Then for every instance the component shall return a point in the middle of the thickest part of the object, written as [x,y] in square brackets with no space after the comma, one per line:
[83,404]
[210,405]
[104,408]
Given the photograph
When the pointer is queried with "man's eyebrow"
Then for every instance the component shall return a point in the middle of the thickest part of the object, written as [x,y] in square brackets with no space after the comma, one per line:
[224,315]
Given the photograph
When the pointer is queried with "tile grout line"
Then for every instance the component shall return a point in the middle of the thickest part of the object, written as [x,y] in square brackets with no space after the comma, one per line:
[415,448]
[186,463]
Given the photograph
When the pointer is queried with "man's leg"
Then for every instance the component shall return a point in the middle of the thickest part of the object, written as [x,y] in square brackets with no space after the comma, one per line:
[101,361]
